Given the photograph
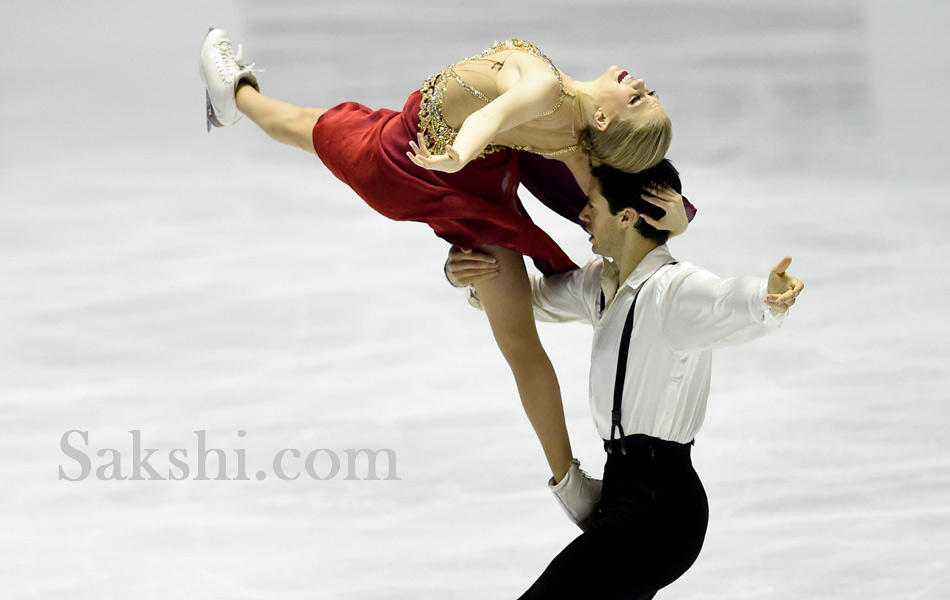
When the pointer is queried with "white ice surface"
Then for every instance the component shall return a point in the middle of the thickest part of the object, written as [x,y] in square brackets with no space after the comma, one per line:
[157,278]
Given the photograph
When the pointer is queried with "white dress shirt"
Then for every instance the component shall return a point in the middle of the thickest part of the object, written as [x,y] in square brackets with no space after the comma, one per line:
[682,313]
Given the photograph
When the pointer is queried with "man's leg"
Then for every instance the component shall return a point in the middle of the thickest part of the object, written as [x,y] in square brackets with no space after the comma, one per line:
[594,565]
[649,531]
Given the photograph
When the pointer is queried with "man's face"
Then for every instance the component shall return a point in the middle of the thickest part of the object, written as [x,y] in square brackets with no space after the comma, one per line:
[604,227]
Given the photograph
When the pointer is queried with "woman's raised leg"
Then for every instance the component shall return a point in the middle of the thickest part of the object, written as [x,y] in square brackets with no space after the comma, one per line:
[232,90]
[507,302]
[286,123]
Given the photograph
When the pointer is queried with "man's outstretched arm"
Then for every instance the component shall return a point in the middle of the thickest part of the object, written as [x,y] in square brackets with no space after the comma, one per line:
[705,311]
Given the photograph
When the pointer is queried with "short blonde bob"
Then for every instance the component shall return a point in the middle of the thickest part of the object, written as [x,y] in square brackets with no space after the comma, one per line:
[630,144]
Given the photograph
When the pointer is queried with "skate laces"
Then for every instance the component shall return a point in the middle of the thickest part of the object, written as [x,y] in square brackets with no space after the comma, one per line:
[226,60]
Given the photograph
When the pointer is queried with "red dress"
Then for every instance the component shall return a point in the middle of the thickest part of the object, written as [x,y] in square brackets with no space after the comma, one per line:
[478,205]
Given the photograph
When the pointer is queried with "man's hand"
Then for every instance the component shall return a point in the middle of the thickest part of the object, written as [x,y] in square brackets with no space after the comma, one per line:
[675,220]
[783,288]
[465,267]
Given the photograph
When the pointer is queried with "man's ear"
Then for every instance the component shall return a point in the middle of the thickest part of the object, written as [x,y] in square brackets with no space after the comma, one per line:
[600,120]
[629,216]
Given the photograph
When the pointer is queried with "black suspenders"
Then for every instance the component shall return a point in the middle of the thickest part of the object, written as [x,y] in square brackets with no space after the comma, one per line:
[615,414]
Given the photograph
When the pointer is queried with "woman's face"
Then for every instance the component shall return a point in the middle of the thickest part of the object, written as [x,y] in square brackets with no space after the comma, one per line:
[622,95]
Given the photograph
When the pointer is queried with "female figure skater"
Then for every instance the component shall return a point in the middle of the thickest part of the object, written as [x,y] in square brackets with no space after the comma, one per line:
[453,158]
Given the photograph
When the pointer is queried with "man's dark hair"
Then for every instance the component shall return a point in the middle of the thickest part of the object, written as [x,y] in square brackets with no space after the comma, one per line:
[622,190]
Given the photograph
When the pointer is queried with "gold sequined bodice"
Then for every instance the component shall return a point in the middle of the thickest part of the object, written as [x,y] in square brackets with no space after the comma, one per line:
[438,134]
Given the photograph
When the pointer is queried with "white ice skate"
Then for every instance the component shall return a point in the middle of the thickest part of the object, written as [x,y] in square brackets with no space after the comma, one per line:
[222,70]
[578,494]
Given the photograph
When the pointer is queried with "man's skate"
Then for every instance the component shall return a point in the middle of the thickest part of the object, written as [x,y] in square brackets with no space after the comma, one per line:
[222,70]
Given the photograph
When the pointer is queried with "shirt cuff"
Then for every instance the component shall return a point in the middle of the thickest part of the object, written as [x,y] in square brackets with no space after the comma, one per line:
[770,318]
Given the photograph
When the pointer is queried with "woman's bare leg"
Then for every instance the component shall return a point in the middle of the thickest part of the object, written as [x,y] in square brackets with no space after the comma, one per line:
[286,123]
[507,302]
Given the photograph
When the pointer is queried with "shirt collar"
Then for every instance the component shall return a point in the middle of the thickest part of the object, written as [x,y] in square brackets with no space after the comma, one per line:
[610,284]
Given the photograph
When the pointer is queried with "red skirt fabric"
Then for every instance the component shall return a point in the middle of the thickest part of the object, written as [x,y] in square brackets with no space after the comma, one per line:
[366,149]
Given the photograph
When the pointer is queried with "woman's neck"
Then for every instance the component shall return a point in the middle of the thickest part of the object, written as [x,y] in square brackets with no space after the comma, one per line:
[583,92]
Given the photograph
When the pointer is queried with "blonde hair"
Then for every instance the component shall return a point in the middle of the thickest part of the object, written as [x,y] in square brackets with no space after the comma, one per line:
[630,144]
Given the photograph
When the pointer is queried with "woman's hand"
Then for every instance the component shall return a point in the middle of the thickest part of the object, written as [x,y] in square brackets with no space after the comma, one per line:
[420,156]
[675,220]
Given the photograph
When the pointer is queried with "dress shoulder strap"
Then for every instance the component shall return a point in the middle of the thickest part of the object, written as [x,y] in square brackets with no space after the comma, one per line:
[520,46]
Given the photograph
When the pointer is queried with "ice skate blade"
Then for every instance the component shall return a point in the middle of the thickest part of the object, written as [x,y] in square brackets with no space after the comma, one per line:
[209,113]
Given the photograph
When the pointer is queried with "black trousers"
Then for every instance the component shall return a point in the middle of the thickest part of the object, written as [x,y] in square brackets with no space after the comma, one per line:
[648,531]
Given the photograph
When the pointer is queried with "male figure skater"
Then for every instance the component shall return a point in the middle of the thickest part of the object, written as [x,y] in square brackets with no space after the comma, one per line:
[655,322]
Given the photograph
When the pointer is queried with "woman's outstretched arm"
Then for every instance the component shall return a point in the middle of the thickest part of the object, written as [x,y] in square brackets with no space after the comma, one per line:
[535,92]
